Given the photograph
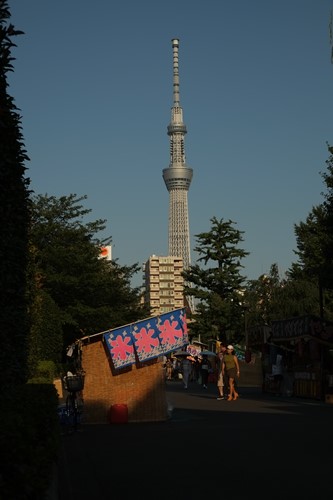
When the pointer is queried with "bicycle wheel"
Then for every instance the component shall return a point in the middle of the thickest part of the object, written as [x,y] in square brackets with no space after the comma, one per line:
[71,409]
[79,406]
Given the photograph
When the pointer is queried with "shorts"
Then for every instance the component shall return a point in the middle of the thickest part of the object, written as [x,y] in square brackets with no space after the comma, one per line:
[232,372]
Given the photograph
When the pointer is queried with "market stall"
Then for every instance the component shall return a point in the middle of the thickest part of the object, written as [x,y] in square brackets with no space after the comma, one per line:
[297,358]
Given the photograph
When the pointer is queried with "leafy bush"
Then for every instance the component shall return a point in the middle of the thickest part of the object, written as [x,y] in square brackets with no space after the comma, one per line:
[45,372]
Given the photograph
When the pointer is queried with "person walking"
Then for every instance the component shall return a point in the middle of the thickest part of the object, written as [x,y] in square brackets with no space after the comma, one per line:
[230,366]
[175,368]
[196,369]
[205,366]
[186,369]
[169,369]
[220,378]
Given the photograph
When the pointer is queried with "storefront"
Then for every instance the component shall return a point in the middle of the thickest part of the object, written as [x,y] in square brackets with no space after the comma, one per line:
[297,358]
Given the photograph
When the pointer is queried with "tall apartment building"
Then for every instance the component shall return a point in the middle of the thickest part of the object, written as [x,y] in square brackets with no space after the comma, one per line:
[164,284]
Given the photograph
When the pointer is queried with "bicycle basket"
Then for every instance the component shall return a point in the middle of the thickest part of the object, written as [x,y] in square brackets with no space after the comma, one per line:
[74,383]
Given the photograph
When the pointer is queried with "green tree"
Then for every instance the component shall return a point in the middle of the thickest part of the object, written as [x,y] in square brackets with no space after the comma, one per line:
[91,294]
[314,239]
[46,335]
[310,238]
[260,296]
[307,286]
[272,298]
[14,221]
[29,426]
[215,281]
[299,297]
[328,222]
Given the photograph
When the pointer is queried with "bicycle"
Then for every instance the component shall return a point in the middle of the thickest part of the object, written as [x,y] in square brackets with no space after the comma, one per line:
[74,404]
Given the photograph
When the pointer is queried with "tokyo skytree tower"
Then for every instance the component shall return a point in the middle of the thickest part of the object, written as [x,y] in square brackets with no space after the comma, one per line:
[178,176]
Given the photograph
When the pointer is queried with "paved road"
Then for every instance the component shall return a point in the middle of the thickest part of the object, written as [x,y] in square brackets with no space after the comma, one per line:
[259,446]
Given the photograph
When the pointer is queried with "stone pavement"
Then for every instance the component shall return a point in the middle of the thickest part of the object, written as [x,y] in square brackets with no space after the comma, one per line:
[260,446]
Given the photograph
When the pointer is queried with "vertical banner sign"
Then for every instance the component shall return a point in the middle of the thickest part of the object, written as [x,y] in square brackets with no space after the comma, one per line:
[121,346]
[173,330]
[146,340]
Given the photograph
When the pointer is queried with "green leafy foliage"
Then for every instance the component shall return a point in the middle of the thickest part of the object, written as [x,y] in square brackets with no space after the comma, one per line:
[45,371]
[89,294]
[315,235]
[46,336]
[307,288]
[216,280]
[14,220]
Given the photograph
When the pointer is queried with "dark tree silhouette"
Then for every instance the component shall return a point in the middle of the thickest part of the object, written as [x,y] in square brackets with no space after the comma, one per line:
[14,220]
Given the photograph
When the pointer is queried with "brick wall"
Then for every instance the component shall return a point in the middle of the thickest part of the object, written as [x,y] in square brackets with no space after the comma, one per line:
[140,387]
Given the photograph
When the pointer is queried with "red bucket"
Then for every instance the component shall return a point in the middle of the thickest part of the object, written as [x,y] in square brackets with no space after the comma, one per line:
[119,414]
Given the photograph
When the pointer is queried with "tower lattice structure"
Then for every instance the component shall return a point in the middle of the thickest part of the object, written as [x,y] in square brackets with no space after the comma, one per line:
[178,177]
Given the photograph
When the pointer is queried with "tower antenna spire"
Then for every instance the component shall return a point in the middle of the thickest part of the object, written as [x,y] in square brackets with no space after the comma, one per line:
[175,47]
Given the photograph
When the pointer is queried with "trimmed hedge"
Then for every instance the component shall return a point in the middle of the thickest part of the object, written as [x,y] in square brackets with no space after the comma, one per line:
[29,440]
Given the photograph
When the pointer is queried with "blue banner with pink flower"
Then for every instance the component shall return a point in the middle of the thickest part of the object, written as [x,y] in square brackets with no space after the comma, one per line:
[147,339]
[121,346]
[173,333]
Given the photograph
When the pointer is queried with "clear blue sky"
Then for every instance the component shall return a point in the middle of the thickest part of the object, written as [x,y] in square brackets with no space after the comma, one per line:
[93,81]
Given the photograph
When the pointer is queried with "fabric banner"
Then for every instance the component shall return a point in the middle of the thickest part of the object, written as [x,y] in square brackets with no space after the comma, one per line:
[121,346]
[173,330]
[147,339]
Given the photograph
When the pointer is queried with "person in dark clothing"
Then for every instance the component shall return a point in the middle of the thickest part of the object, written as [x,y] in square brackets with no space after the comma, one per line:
[205,366]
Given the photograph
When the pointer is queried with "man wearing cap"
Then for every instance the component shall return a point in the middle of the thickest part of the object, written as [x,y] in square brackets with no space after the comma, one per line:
[230,367]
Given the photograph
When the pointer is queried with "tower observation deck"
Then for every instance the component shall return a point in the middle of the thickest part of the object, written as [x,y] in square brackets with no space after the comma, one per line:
[178,177]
